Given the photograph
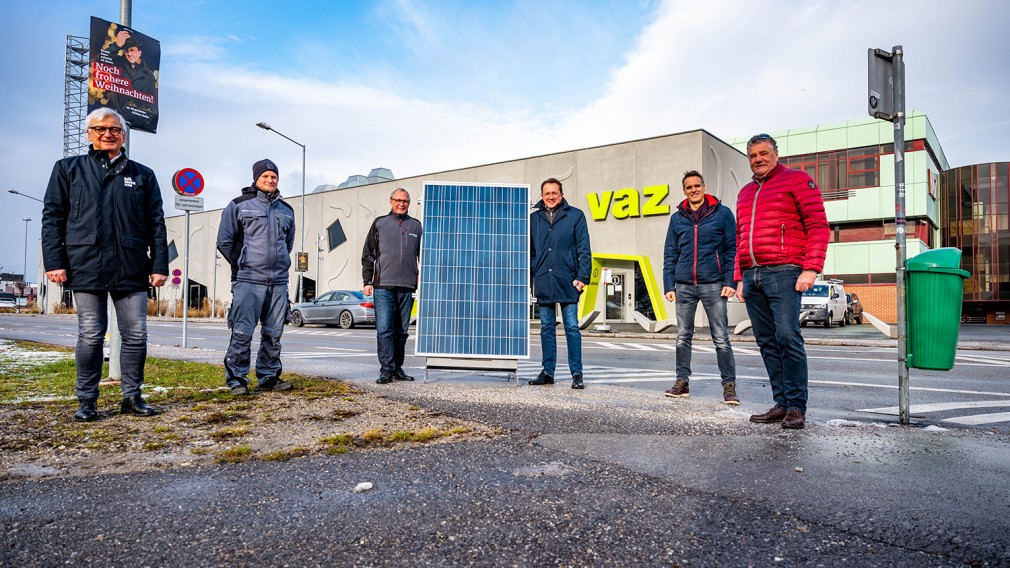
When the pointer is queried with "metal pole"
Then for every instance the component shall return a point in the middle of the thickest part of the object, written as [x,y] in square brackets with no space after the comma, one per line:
[126,12]
[899,227]
[24,275]
[213,291]
[115,340]
[301,275]
[185,287]
[319,256]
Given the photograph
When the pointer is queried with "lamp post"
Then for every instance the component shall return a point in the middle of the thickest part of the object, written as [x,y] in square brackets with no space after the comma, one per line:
[16,192]
[24,274]
[301,287]
[26,220]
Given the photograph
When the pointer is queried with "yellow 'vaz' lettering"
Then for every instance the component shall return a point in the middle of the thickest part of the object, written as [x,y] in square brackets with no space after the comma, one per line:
[627,203]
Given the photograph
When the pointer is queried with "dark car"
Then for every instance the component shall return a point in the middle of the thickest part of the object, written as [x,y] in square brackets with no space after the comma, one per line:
[346,308]
[855,312]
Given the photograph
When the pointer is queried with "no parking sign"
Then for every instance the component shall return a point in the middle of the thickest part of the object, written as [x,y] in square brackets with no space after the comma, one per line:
[188,181]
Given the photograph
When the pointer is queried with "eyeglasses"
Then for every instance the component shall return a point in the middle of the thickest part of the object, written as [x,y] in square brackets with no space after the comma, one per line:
[760,138]
[101,130]
[400,201]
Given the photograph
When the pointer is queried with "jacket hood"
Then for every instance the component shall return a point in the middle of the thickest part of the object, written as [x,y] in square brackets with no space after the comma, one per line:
[710,200]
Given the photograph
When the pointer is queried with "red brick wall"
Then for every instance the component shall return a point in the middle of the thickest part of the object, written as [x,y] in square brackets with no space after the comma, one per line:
[881,300]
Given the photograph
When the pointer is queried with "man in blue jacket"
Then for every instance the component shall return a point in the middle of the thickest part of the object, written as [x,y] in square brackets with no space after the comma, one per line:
[103,234]
[560,260]
[256,237]
[698,266]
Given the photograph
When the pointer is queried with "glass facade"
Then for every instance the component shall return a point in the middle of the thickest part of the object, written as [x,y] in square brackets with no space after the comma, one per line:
[974,218]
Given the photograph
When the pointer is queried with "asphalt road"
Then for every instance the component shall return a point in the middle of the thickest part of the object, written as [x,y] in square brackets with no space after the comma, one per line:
[853,370]
[609,476]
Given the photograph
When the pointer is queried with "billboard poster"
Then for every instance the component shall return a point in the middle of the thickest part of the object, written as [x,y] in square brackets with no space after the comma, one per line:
[123,73]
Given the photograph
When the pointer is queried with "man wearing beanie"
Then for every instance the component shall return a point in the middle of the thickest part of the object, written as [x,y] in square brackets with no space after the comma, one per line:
[256,237]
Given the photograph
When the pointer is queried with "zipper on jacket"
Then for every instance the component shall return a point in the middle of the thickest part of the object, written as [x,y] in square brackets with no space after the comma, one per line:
[782,239]
[753,214]
[694,268]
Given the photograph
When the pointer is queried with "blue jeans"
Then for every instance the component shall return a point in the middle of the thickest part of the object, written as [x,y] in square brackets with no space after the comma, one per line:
[549,340]
[392,323]
[711,298]
[773,305]
[92,323]
[252,304]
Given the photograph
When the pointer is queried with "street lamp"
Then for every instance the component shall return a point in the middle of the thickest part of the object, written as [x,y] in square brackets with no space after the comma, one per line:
[16,192]
[25,273]
[301,287]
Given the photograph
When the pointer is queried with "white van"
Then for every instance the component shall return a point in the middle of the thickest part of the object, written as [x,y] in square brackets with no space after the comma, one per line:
[824,303]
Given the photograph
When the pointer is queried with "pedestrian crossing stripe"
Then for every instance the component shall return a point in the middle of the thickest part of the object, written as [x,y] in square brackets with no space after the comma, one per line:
[971,420]
[315,332]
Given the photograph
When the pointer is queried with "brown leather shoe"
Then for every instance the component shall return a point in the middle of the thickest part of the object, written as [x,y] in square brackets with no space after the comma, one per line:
[794,419]
[774,414]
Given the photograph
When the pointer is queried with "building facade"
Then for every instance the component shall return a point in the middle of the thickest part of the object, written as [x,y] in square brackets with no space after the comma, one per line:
[628,192]
[975,217]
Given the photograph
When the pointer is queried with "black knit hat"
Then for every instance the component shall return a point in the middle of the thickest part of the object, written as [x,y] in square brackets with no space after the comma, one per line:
[264,166]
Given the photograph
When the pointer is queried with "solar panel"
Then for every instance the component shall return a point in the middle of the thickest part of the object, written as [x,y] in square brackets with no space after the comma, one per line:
[473,295]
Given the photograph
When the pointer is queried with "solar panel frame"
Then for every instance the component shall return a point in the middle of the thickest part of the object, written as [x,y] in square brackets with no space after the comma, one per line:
[474,285]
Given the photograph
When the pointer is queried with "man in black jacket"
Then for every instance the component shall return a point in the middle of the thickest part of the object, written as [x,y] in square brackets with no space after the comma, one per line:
[389,270]
[103,234]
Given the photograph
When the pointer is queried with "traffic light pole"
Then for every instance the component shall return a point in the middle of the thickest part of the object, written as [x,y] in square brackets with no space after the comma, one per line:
[898,65]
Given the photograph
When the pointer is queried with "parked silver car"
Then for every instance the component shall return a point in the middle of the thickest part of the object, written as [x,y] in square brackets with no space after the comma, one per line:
[346,308]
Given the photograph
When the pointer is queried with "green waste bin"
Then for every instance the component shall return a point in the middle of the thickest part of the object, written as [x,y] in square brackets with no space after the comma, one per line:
[934,289]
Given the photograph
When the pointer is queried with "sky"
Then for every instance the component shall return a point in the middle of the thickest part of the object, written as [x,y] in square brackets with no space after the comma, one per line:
[426,86]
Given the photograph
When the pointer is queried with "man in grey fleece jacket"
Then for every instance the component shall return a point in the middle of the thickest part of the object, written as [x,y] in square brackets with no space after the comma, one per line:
[389,270]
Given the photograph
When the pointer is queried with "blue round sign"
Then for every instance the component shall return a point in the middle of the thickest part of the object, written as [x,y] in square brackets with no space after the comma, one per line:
[187,181]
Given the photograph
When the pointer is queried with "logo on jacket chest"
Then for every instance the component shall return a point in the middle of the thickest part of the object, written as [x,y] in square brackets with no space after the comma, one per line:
[626,203]
[128,181]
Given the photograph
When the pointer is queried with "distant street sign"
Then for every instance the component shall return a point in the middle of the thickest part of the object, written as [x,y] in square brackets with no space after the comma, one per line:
[187,181]
[176,280]
[187,203]
[176,272]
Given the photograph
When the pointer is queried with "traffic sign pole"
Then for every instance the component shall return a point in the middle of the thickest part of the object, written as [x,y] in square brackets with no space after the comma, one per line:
[188,184]
[185,287]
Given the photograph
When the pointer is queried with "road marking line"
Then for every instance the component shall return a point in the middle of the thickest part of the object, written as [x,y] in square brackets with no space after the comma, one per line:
[939,406]
[665,346]
[606,345]
[641,347]
[980,419]
[995,362]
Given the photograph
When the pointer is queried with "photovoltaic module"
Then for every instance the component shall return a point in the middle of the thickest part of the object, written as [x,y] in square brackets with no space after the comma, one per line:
[474,289]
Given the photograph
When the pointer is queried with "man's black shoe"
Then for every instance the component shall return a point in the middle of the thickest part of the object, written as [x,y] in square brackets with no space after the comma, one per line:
[577,382]
[87,411]
[136,406]
[542,379]
[239,390]
[275,385]
[384,379]
[401,376]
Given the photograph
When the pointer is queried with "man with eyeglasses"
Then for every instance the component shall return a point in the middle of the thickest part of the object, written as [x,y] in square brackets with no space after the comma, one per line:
[782,239]
[256,237]
[389,270]
[103,235]
[560,262]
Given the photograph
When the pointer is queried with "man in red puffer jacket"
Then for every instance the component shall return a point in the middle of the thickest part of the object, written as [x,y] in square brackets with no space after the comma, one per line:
[782,239]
